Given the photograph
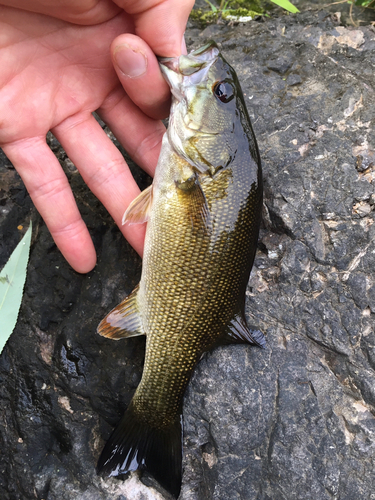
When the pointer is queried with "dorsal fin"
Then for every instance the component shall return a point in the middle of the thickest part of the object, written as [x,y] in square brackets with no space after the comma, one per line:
[124,320]
[239,332]
[139,209]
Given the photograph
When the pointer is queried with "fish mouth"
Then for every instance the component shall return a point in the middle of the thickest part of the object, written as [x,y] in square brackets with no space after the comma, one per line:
[187,70]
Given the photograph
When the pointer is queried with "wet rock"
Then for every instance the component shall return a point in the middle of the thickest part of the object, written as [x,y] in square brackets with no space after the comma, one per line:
[294,421]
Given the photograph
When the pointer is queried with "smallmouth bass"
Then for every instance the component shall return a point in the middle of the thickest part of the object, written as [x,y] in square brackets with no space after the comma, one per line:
[203,211]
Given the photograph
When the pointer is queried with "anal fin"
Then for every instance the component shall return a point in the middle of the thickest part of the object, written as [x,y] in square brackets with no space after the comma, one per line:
[124,320]
[239,332]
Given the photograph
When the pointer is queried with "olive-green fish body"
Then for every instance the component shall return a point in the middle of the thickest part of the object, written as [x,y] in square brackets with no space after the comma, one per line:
[203,211]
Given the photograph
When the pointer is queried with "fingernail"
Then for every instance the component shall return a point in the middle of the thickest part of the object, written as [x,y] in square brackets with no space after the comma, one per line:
[130,62]
[183,45]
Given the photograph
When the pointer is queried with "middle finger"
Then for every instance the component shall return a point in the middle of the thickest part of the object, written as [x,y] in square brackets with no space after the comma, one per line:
[103,168]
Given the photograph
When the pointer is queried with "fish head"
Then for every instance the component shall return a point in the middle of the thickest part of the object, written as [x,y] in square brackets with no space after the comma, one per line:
[207,107]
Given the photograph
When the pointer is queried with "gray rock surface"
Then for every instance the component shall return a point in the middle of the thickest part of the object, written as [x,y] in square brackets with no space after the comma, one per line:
[295,421]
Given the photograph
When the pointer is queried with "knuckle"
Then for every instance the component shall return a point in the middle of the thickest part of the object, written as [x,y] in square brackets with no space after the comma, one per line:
[107,174]
[145,151]
[49,189]
[113,99]
[70,230]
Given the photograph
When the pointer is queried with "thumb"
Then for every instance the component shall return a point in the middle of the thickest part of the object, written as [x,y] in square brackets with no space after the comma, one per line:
[161,24]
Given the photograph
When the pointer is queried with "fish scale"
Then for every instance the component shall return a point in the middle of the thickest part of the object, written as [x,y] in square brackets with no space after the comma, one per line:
[203,211]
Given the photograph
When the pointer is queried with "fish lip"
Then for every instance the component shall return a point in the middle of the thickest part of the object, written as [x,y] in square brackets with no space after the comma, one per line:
[205,48]
[169,69]
[187,70]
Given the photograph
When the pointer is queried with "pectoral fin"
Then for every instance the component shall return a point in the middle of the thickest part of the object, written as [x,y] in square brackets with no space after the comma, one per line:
[139,209]
[239,332]
[124,320]
[195,203]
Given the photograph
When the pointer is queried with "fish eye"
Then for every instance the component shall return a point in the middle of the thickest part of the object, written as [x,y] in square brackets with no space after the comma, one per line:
[223,91]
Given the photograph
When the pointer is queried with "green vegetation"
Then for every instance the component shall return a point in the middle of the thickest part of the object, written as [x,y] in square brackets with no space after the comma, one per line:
[243,10]
[285,4]
[12,280]
[222,9]
[364,3]
[236,9]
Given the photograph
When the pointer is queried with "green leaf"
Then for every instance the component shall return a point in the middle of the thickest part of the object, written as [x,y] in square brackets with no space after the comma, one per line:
[285,4]
[12,281]
[363,3]
[214,9]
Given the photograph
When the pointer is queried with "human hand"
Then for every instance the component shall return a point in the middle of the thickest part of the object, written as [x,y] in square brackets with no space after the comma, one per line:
[55,74]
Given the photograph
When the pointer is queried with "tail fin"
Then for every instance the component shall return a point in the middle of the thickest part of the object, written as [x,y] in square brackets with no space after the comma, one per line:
[135,445]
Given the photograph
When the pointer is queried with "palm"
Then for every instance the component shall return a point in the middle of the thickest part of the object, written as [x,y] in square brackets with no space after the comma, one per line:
[62,71]
[54,75]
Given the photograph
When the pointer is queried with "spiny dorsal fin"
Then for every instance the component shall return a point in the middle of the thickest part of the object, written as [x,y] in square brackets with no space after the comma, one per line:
[139,209]
[239,332]
[124,320]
